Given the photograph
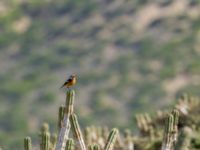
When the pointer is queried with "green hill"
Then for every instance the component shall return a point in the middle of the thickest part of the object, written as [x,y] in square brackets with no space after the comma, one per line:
[129,56]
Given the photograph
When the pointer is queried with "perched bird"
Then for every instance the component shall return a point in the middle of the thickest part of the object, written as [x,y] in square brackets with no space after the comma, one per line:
[70,81]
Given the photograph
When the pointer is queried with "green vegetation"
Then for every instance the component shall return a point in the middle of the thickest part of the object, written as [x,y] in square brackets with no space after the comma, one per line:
[181,131]
[138,64]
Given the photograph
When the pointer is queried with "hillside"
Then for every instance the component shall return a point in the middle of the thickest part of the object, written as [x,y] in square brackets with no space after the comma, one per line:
[129,56]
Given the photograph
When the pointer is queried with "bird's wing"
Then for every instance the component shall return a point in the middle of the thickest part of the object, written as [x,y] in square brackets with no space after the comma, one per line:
[66,82]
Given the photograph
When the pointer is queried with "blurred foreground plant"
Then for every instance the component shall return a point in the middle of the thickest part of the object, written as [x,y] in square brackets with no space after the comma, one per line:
[155,133]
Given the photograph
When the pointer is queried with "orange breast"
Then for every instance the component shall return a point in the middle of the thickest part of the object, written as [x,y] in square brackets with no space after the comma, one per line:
[74,81]
[71,83]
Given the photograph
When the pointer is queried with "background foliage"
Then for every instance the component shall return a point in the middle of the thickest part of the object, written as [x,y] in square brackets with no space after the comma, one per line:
[129,56]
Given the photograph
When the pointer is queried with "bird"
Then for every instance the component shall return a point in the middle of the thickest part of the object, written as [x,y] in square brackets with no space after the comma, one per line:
[70,81]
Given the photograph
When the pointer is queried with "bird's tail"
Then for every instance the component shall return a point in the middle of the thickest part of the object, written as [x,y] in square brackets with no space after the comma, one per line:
[62,86]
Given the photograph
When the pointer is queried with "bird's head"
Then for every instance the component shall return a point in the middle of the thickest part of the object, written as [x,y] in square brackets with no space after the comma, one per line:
[73,76]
